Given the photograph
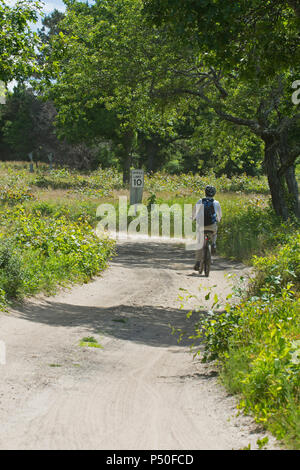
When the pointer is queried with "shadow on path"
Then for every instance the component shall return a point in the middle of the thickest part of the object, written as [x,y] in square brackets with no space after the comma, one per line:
[146,324]
[141,324]
[158,255]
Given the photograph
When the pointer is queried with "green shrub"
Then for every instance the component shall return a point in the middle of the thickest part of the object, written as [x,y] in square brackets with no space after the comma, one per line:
[45,251]
[11,271]
[279,268]
[15,194]
[98,183]
[258,346]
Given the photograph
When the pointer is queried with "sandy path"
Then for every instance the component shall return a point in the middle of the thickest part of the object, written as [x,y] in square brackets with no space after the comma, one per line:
[142,390]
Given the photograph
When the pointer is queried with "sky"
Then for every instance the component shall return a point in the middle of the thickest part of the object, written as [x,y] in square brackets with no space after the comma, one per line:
[50,6]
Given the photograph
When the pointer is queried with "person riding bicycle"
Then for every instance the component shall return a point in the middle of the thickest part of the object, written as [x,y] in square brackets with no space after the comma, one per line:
[212,216]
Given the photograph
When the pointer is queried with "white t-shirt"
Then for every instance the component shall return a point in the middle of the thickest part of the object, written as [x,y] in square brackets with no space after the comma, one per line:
[217,207]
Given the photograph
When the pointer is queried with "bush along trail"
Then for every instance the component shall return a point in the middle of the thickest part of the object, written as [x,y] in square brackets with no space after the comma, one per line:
[38,253]
[256,341]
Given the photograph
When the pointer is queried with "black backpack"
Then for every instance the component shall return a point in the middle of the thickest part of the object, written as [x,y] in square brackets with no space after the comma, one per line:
[210,216]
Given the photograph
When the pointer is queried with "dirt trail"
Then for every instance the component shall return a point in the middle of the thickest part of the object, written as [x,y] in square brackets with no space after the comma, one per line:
[142,390]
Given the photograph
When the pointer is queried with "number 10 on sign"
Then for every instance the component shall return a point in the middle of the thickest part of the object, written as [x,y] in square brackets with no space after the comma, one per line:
[137,178]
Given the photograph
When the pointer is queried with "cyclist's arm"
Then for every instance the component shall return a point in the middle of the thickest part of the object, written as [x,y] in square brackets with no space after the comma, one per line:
[218,211]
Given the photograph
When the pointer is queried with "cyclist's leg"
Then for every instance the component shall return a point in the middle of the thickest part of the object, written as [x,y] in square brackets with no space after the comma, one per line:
[213,229]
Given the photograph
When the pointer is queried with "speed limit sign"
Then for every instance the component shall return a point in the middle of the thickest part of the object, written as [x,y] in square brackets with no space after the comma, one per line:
[137,178]
[136,186]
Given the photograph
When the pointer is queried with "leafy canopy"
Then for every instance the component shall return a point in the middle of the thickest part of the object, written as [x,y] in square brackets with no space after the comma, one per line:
[105,57]
[17,41]
[259,37]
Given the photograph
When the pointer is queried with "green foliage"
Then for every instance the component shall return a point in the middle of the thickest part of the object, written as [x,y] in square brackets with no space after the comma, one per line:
[255,338]
[261,364]
[196,183]
[256,341]
[106,36]
[257,344]
[233,150]
[17,41]
[12,194]
[246,228]
[90,342]
[11,271]
[18,120]
[16,179]
[238,67]
[98,183]
[240,34]
[40,250]
[280,268]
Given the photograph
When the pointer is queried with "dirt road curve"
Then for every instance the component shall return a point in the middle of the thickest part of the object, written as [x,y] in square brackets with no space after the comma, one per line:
[142,390]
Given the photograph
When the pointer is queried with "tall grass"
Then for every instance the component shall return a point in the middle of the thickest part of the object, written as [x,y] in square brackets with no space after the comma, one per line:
[102,182]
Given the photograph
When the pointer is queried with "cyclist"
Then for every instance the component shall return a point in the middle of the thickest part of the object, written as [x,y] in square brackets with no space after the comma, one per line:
[212,216]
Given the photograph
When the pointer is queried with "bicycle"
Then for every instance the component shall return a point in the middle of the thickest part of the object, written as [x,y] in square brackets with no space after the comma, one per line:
[206,260]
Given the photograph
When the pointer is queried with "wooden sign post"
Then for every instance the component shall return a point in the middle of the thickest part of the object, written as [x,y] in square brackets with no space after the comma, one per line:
[30,156]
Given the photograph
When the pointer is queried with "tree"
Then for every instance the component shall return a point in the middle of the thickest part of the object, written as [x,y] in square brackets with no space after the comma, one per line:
[27,125]
[252,36]
[20,120]
[266,111]
[244,57]
[50,28]
[228,149]
[17,41]
[109,58]
[102,62]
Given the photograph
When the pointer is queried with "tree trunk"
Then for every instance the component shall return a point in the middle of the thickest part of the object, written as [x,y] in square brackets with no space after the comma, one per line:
[126,168]
[289,175]
[292,185]
[151,149]
[127,143]
[276,184]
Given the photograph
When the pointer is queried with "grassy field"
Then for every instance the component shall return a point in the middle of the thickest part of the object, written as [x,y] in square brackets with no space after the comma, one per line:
[77,196]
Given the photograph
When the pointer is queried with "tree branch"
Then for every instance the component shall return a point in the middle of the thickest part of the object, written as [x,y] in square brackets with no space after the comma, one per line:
[216,107]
